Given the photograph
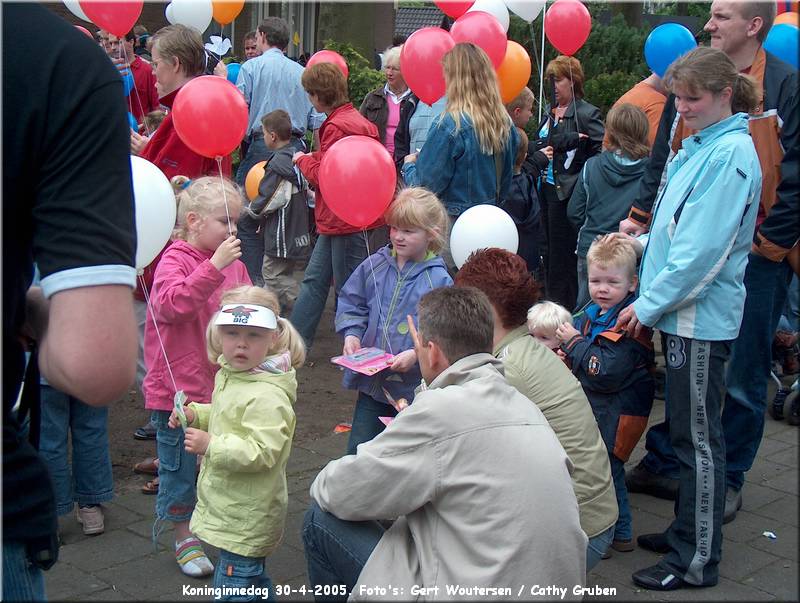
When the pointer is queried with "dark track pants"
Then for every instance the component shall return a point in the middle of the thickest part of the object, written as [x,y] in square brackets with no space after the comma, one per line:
[695,391]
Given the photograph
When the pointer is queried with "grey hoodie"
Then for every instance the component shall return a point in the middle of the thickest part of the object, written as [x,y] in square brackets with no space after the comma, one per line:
[602,196]
[480,487]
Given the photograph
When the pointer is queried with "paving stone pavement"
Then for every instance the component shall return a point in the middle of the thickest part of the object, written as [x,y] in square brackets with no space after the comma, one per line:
[122,564]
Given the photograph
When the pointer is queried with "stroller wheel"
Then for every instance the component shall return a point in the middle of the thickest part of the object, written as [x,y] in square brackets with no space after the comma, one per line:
[776,409]
[793,400]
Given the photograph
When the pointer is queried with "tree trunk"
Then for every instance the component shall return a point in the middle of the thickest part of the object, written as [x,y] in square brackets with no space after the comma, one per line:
[632,11]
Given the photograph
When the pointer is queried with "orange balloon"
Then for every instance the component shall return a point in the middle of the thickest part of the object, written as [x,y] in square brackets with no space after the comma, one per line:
[253,179]
[514,72]
[226,11]
[788,19]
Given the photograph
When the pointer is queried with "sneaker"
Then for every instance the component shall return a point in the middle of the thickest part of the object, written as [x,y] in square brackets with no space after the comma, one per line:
[148,432]
[92,520]
[623,546]
[733,502]
[641,480]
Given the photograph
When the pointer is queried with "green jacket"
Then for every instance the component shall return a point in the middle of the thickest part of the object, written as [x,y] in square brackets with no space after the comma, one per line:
[540,374]
[241,492]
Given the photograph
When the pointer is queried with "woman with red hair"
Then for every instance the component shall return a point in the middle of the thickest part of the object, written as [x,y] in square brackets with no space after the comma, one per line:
[540,374]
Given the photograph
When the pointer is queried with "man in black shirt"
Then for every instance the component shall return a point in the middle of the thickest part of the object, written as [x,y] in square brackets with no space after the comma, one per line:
[68,206]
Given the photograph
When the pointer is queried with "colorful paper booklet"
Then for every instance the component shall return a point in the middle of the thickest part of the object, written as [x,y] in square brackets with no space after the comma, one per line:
[366,361]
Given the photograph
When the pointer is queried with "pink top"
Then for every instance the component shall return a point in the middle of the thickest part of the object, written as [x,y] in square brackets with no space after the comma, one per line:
[185,294]
[391,123]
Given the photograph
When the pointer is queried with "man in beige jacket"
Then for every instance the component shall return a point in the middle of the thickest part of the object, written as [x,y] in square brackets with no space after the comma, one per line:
[472,474]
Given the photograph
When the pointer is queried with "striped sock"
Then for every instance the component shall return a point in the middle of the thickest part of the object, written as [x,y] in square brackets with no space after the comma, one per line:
[192,559]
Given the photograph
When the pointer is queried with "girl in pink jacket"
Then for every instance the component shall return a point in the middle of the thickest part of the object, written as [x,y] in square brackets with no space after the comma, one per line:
[193,272]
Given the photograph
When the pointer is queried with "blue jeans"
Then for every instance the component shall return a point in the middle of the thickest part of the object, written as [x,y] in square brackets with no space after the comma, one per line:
[177,493]
[334,258]
[597,547]
[337,550]
[622,529]
[366,424]
[746,377]
[89,481]
[22,581]
[237,571]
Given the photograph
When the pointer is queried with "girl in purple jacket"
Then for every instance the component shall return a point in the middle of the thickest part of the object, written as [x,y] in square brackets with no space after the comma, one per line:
[200,264]
[374,302]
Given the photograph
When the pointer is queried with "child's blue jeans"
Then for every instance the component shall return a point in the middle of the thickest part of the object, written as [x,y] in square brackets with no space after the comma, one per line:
[237,571]
[623,530]
[177,492]
[89,481]
[366,424]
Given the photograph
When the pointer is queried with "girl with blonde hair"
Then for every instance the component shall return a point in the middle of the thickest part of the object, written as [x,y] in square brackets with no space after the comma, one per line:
[468,158]
[377,298]
[193,272]
[245,435]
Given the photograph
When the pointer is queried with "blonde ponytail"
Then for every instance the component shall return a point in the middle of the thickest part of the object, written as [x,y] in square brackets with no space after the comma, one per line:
[290,340]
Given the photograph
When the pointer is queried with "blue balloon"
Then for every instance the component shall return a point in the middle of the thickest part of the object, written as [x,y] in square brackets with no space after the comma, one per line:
[233,72]
[782,42]
[666,43]
[132,122]
[127,82]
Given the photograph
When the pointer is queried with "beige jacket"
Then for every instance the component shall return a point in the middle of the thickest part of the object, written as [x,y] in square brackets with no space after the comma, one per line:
[480,487]
[544,378]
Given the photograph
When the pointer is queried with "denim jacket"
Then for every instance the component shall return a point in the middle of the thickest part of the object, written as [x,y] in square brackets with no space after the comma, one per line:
[452,165]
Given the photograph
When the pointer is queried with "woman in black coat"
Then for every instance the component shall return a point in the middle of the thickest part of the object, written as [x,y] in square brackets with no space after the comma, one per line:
[570,132]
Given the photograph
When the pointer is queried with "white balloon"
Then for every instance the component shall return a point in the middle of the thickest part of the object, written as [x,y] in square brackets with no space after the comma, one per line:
[75,8]
[193,13]
[480,227]
[168,14]
[155,210]
[496,8]
[527,9]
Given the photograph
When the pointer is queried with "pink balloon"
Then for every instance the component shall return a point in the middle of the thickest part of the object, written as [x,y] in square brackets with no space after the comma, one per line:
[115,17]
[357,178]
[421,62]
[210,116]
[329,56]
[454,8]
[567,24]
[483,30]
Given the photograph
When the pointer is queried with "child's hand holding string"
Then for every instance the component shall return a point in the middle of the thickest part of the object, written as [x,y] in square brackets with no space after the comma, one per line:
[227,253]
[196,440]
[174,422]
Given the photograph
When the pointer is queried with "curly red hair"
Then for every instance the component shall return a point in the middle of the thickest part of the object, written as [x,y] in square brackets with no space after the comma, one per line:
[504,278]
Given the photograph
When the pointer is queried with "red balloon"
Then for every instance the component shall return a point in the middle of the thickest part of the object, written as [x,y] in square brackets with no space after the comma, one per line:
[329,56]
[483,30]
[210,116]
[454,8]
[421,62]
[567,24]
[84,31]
[357,178]
[114,16]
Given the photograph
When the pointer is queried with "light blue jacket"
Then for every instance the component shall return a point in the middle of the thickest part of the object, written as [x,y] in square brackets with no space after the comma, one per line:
[693,266]
[373,305]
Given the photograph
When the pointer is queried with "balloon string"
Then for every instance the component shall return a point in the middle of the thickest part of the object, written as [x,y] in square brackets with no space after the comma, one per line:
[574,100]
[152,314]
[224,195]
[384,326]
[541,72]
[134,90]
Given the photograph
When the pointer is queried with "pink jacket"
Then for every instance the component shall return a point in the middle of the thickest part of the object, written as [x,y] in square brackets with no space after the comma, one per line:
[185,294]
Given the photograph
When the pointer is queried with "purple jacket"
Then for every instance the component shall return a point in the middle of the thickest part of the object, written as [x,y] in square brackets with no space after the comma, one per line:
[373,305]
[185,294]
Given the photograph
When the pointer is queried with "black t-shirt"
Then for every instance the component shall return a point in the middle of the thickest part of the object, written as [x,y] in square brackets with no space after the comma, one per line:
[67,204]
